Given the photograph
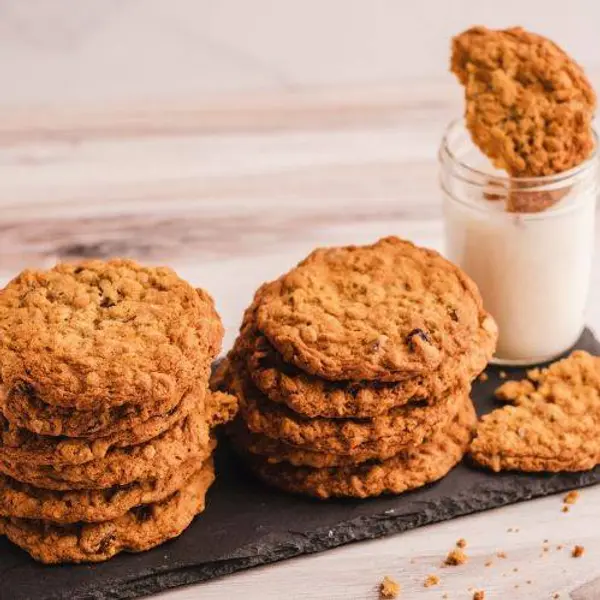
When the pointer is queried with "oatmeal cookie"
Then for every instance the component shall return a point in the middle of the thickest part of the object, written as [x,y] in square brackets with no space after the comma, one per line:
[406,425]
[315,397]
[23,408]
[121,466]
[24,501]
[100,333]
[385,312]
[275,451]
[21,446]
[140,529]
[409,470]
[552,423]
[529,106]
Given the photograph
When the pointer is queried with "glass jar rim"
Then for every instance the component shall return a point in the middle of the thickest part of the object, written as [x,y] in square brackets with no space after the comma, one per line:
[589,163]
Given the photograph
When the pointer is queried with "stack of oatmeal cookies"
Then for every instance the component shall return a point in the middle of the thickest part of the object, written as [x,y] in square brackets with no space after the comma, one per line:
[354,369]
[105,413]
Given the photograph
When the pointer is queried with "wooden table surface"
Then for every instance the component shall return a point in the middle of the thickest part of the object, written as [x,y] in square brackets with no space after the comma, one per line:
[232,193]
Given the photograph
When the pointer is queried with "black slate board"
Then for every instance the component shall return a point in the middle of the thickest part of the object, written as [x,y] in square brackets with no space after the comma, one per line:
[247,524]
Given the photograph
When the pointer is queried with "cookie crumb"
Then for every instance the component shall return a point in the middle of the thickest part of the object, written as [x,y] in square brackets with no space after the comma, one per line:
[431,581]
[501,554]
[571,497]
[516,569]
[462,543]
[577,551]
[456,557]
[479,595]
[559,547]
[565,509]
[388,588]
[502,375]
[483,377]
[488,563]
[556,595]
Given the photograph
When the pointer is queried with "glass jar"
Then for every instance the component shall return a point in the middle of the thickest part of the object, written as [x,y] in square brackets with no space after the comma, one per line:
[533,268]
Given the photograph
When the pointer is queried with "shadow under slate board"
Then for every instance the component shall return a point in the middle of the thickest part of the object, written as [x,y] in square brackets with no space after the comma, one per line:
[248,524]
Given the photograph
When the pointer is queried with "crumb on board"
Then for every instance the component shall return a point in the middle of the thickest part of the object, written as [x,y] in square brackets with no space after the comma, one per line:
[501,554]
[529,582]
[516,569]
[479,595]
[502,374]
[461,543]
[456,557]
[488,563]
[556,595]
[545,548]
[483,377]
[577,551]
[565,508]
[389,588]
[559,547]
[546,541]
[571,497]
[431,581]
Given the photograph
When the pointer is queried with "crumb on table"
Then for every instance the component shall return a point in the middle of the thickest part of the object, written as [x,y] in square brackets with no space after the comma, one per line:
[483,377]
[388,588]
[479,595]
[456,557]
[502,375]
[571,497]
[501,554]
[488,563]
[577,551]
[431,581]
[461,543]
[565,509]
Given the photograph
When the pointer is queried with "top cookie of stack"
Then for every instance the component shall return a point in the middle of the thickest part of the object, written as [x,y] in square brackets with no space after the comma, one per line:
[104,408]
[357,354]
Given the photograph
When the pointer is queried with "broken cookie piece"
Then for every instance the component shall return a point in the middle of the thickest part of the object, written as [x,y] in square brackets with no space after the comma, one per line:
[551,424]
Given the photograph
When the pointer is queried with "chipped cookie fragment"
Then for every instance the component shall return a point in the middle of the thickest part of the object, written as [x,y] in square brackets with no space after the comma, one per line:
[552,423]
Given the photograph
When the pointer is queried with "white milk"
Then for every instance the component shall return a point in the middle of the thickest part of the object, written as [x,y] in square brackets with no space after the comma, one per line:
[533,270]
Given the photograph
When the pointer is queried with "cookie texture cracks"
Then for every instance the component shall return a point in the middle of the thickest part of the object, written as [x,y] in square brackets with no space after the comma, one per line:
[102,333]
[388,311]
[529,106]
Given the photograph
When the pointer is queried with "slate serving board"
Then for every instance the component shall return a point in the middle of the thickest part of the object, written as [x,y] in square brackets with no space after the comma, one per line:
[247,524]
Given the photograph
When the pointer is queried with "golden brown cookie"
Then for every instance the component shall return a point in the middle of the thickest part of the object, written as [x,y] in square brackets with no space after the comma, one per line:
[140,529]
[405,425]
[315,397]
[100,333]
[22,446]
[23,408]
[27,502]
[411,469]
[121,466]
[529,105]
[553,423]
[385,312]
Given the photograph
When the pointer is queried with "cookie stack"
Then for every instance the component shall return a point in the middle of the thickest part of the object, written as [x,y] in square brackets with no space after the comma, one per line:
[105,414]
[354,369]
